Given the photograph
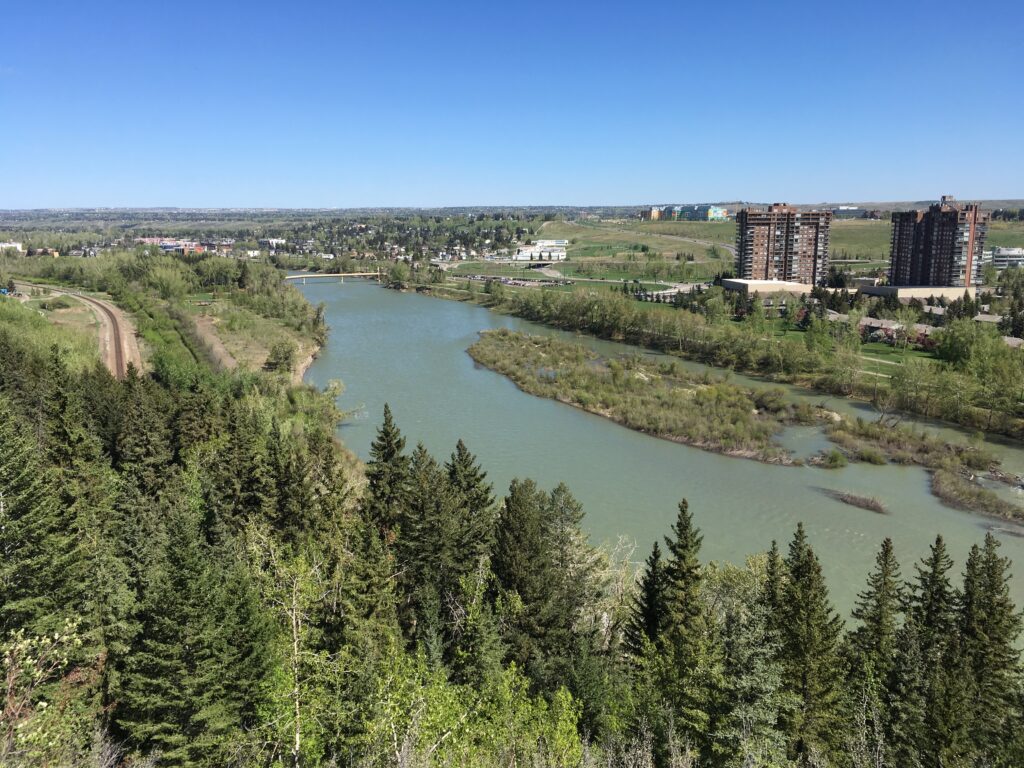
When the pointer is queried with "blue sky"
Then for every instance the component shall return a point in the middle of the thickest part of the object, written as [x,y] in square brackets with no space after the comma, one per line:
[337,104]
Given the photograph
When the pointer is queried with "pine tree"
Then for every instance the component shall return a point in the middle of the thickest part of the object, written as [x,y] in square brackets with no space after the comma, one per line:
[36,546]
[872,644]
[474,528]
[388,476]
[989,629]
[906,733]
[810,652]
[689,646]
[647,612]
[522,566]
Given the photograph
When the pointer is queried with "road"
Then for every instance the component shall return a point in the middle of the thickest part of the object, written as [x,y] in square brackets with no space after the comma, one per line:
[118,345]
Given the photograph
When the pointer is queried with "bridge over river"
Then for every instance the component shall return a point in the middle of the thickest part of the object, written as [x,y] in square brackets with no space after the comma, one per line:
[337,275]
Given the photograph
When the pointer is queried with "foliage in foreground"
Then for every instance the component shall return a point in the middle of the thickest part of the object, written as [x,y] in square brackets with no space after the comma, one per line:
[194,573]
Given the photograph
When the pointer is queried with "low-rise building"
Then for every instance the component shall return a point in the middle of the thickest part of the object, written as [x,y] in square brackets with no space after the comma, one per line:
[10,245]
[765,287]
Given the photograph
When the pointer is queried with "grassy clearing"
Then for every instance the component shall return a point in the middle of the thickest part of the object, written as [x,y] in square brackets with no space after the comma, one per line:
[73,330]
[1005,234]
[861,239]
[661,400]
[244,335]
[722,232]
[611,240]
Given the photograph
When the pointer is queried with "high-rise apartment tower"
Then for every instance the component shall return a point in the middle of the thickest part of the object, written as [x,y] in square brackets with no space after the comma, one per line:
[782,243]
[941,246]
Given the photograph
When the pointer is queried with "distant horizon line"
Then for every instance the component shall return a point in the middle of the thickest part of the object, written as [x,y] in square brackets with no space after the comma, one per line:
[529,206]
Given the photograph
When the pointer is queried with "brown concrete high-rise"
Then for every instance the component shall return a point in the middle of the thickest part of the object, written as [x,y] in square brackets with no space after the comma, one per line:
[782,243]
[941,246]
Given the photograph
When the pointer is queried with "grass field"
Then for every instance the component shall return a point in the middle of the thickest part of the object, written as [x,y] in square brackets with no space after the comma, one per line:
[617,240]
[860,239]
[1005,234]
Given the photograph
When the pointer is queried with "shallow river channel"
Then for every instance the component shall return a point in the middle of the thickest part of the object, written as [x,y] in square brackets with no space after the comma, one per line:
[410,351]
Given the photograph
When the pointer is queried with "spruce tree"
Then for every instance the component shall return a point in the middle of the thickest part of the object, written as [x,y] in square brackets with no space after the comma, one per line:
[36,545]
[388,474]
[989,629]
[932,606]
[689,646]
[425,552]
[522,566]
[774,585]
[906,733]
[647,612]
[754,699]
[810,652]
[474,526]
[877,608]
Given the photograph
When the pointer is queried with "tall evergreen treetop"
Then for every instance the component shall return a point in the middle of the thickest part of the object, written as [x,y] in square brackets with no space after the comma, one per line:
[878,609]
[388,476]
[647,613]
[810,651]
[683,573]
[933,599]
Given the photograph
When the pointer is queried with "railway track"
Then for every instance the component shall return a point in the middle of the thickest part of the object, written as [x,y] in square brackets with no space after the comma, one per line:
[119,359]
[116,356]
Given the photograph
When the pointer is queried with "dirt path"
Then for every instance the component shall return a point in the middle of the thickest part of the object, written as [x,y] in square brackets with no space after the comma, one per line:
[207,329]
[118,343]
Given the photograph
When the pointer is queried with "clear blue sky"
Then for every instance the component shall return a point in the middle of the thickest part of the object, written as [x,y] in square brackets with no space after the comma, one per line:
[338,104]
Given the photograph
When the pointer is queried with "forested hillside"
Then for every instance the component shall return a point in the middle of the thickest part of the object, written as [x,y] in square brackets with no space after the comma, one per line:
[193,571]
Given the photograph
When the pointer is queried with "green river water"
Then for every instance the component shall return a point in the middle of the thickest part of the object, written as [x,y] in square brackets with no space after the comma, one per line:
[410,351]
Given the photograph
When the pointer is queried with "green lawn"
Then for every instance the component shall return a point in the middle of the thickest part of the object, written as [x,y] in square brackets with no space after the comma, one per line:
[609,240]
[860,239]
[1005,234]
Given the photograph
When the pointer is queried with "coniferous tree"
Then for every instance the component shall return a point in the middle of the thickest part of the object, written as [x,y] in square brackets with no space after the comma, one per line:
[932,605]
[809,637]
[774,585]
[199,660]
[689,647]
[906,733]
[474,526]
[36,546]
[522,565]
[388,474]
[647,612]
[872,645]
[425,553]
[754,699]
[989,629]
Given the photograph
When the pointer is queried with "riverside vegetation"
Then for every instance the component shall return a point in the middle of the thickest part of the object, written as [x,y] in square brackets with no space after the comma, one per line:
[662,400]
[974,380]
[700,410]
[195,572]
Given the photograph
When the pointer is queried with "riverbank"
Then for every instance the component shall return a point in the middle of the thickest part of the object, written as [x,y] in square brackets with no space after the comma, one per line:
[713,415]
[732,346]
[664,401]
